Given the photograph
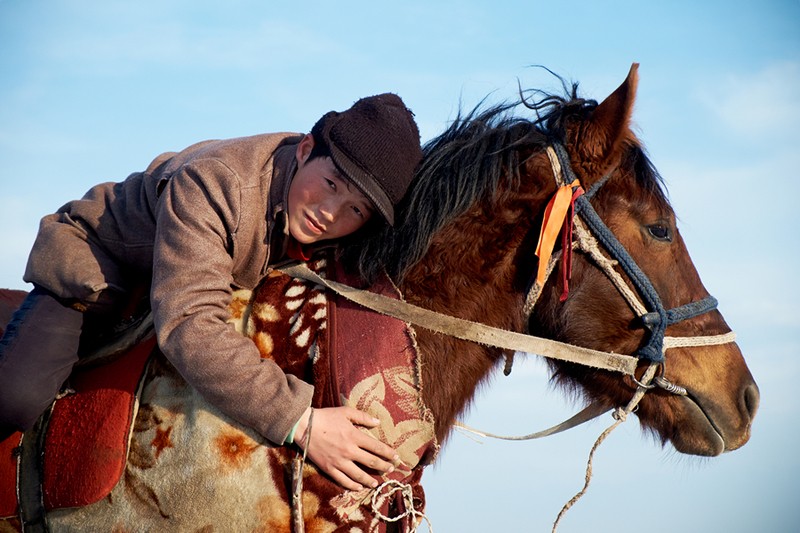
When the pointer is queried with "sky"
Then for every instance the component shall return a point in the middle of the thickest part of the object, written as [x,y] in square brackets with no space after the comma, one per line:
[91,91]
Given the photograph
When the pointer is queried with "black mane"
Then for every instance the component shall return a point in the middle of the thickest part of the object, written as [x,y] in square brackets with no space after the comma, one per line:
[476,156]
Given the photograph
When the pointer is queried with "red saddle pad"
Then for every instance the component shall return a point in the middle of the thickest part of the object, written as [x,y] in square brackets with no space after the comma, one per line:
[87,438]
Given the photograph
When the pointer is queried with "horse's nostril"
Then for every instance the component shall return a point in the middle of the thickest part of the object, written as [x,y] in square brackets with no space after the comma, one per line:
[751,398]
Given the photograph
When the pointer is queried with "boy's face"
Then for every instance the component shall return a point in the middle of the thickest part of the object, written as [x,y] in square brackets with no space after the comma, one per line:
[322,203]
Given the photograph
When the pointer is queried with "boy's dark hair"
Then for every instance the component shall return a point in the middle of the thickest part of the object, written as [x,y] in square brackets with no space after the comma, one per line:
[320,149]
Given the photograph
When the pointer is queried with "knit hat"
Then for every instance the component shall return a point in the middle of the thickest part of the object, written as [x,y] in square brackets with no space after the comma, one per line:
[375,143]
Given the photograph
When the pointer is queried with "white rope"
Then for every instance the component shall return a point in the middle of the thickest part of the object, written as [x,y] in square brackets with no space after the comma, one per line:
[589,245]
[555,164]
[620,415]
[536,289]
[407,493]
[590,412]
[709,340]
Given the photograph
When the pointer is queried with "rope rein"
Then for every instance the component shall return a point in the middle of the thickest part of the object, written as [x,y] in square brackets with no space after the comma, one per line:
[620,416]
[298,465]
[590,412]
[469,330]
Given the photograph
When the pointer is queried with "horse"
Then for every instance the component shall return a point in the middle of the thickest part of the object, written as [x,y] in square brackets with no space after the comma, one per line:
[467,244]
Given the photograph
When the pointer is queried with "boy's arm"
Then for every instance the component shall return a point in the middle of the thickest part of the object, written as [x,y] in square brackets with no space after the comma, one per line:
[192,277]
[191,292]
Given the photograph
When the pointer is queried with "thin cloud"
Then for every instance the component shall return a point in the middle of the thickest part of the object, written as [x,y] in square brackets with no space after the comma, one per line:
[182,46]
[757,104]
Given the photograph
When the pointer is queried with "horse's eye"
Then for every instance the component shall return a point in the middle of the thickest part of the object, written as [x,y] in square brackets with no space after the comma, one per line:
[660,232]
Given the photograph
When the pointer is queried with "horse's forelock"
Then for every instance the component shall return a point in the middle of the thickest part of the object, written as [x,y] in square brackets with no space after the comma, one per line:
[647,189]
[647,177]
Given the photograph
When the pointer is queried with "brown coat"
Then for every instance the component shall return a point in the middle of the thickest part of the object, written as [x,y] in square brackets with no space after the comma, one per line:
[202,222]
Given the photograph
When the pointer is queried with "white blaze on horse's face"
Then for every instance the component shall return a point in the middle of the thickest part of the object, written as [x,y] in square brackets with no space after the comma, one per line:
[322,203]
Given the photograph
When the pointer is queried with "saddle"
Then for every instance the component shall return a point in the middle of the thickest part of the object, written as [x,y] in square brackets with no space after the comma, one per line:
[76,452]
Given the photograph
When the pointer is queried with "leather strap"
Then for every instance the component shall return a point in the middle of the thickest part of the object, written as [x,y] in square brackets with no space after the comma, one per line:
[590,412]
[29,477]
[467,330]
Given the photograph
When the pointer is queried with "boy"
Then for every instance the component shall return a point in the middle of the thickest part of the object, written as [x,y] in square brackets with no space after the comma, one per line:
[198,224]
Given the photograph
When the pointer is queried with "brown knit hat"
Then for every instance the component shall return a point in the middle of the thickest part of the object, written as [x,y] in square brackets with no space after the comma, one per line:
[375,143]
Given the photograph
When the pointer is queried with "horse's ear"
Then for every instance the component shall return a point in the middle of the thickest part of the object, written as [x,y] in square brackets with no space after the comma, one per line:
[599,140]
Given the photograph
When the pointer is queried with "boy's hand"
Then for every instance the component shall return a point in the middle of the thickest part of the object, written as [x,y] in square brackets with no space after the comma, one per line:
[340,449]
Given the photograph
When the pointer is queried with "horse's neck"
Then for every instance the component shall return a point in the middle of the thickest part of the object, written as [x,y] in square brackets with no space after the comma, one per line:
[451,372]
[453,279]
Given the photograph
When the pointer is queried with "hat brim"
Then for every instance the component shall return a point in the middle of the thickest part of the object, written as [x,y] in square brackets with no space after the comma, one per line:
[365,182]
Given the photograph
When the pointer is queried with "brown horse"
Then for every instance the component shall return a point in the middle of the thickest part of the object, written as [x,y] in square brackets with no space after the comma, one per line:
[465,246]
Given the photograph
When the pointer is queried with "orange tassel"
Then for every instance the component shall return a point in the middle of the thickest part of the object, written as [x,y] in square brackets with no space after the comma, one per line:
[554,215]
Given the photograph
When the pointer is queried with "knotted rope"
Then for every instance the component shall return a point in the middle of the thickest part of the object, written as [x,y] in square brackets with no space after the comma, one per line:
[620,415]
[379,499]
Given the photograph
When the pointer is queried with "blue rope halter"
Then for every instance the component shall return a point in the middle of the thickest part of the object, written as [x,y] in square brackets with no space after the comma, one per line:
[657,318]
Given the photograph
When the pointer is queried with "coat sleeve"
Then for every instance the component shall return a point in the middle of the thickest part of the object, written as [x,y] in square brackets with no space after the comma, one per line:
[197,216]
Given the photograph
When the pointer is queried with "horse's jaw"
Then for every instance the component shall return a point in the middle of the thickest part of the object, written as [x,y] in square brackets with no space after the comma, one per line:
[705,439]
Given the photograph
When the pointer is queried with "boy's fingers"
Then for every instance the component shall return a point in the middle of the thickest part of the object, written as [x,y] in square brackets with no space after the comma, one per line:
[359,476]
[374,462]
[345,481]
[348,454]
[367,442]
[377,449]
[361,418]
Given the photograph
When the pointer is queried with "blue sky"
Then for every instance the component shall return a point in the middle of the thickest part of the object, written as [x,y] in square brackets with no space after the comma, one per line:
[93,90]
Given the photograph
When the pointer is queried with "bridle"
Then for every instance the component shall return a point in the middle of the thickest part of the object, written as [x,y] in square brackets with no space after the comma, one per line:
[657,318]
[590,232]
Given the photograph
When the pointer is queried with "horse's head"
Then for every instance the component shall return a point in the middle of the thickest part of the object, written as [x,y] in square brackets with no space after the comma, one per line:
[464,245]
[721,397]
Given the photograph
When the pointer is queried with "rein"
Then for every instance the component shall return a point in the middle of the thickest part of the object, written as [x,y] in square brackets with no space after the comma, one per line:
[466,329]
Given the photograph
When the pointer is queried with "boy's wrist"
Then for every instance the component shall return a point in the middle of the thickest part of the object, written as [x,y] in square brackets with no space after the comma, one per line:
[298,432]
[292,432]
